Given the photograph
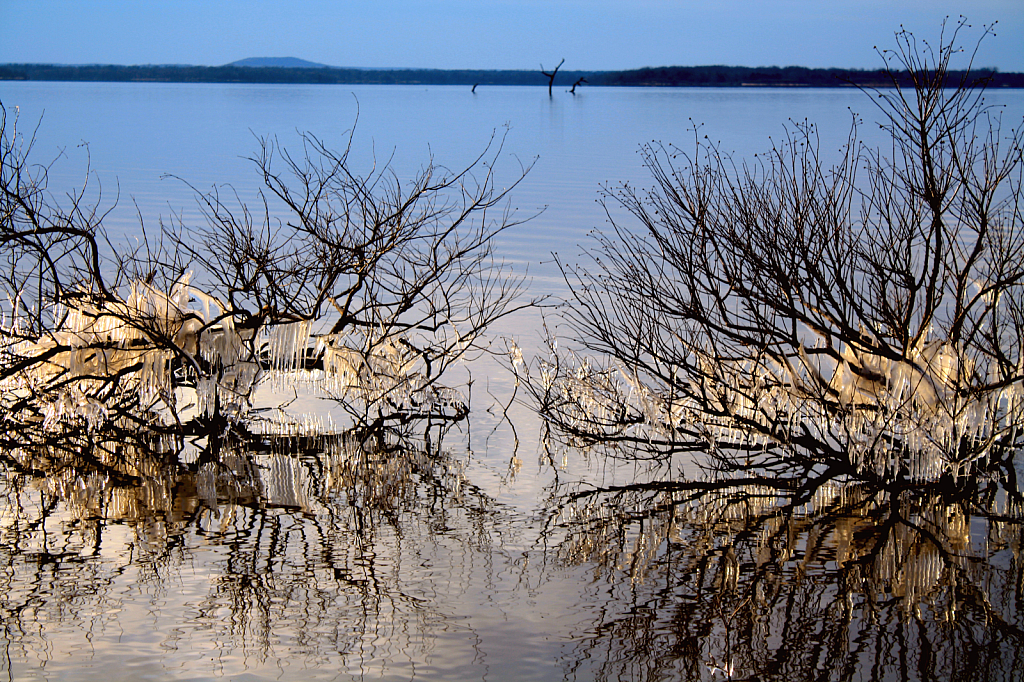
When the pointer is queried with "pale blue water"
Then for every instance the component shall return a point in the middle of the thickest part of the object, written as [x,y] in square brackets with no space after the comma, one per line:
[137,133]
[457,582]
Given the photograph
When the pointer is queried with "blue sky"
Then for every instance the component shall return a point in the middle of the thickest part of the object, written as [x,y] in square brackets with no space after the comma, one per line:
[491,34]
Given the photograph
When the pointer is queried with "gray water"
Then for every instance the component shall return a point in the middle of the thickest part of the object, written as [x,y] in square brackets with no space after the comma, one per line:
[486,559]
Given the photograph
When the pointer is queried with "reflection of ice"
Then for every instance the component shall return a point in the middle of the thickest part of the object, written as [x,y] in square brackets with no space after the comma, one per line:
[325,549]
[745,528]
[857,578]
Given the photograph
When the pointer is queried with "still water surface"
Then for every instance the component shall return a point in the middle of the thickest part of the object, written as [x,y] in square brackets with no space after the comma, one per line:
[481,558]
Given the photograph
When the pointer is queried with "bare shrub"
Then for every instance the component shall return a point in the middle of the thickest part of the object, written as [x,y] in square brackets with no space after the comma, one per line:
[365,288]
[795,319]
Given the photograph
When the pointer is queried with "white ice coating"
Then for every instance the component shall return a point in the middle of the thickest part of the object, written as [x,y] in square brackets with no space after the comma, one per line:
[356,367]
[141,336]
[287,344]
[138,338]
[911,415]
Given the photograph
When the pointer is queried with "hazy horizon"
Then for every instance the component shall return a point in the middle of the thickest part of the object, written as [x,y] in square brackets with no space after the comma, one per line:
[310,64]
[520,35]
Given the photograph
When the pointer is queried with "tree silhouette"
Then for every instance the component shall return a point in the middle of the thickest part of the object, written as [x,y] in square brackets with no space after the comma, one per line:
[791,319]
[551,75]
[366,289]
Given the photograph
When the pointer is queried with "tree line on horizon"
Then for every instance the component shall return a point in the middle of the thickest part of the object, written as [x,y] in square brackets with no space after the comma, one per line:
[665,76]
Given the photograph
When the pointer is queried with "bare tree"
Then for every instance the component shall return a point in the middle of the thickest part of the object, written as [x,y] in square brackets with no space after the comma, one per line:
[793,319]
[403,275]
[366,288]
[551,75]
[52,264]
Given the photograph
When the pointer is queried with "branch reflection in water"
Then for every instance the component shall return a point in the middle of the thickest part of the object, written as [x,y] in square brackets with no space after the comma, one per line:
[744,580]
[268,553]
[263,553]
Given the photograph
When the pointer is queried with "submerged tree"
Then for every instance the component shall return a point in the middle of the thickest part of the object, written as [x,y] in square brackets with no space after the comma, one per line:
[550,75]
[366,288]
[798,320]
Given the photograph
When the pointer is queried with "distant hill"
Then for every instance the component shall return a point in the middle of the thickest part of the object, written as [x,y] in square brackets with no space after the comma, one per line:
[279,62]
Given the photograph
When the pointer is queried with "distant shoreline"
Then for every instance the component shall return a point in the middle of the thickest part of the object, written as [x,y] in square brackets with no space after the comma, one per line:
[668,76]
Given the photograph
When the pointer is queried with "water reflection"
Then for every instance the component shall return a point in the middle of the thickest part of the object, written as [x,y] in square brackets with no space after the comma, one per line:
[269,554]
[725,581]
[342,557]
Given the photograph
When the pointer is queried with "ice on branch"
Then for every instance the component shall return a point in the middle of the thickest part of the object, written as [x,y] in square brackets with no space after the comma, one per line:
[139,348]
[906,418]
[152,342]
[371,371]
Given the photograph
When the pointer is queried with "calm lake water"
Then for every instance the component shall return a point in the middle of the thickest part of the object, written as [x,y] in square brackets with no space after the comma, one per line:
[482,558]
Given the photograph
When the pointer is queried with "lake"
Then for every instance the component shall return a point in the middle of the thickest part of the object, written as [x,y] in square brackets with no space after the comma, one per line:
[485,556]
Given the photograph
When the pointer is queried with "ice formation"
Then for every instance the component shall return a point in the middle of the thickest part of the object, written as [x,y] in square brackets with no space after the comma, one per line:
[154,342]
[920,417]
[101,348]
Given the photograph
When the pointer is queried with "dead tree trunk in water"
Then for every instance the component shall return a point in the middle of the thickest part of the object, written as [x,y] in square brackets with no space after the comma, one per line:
[551,76]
